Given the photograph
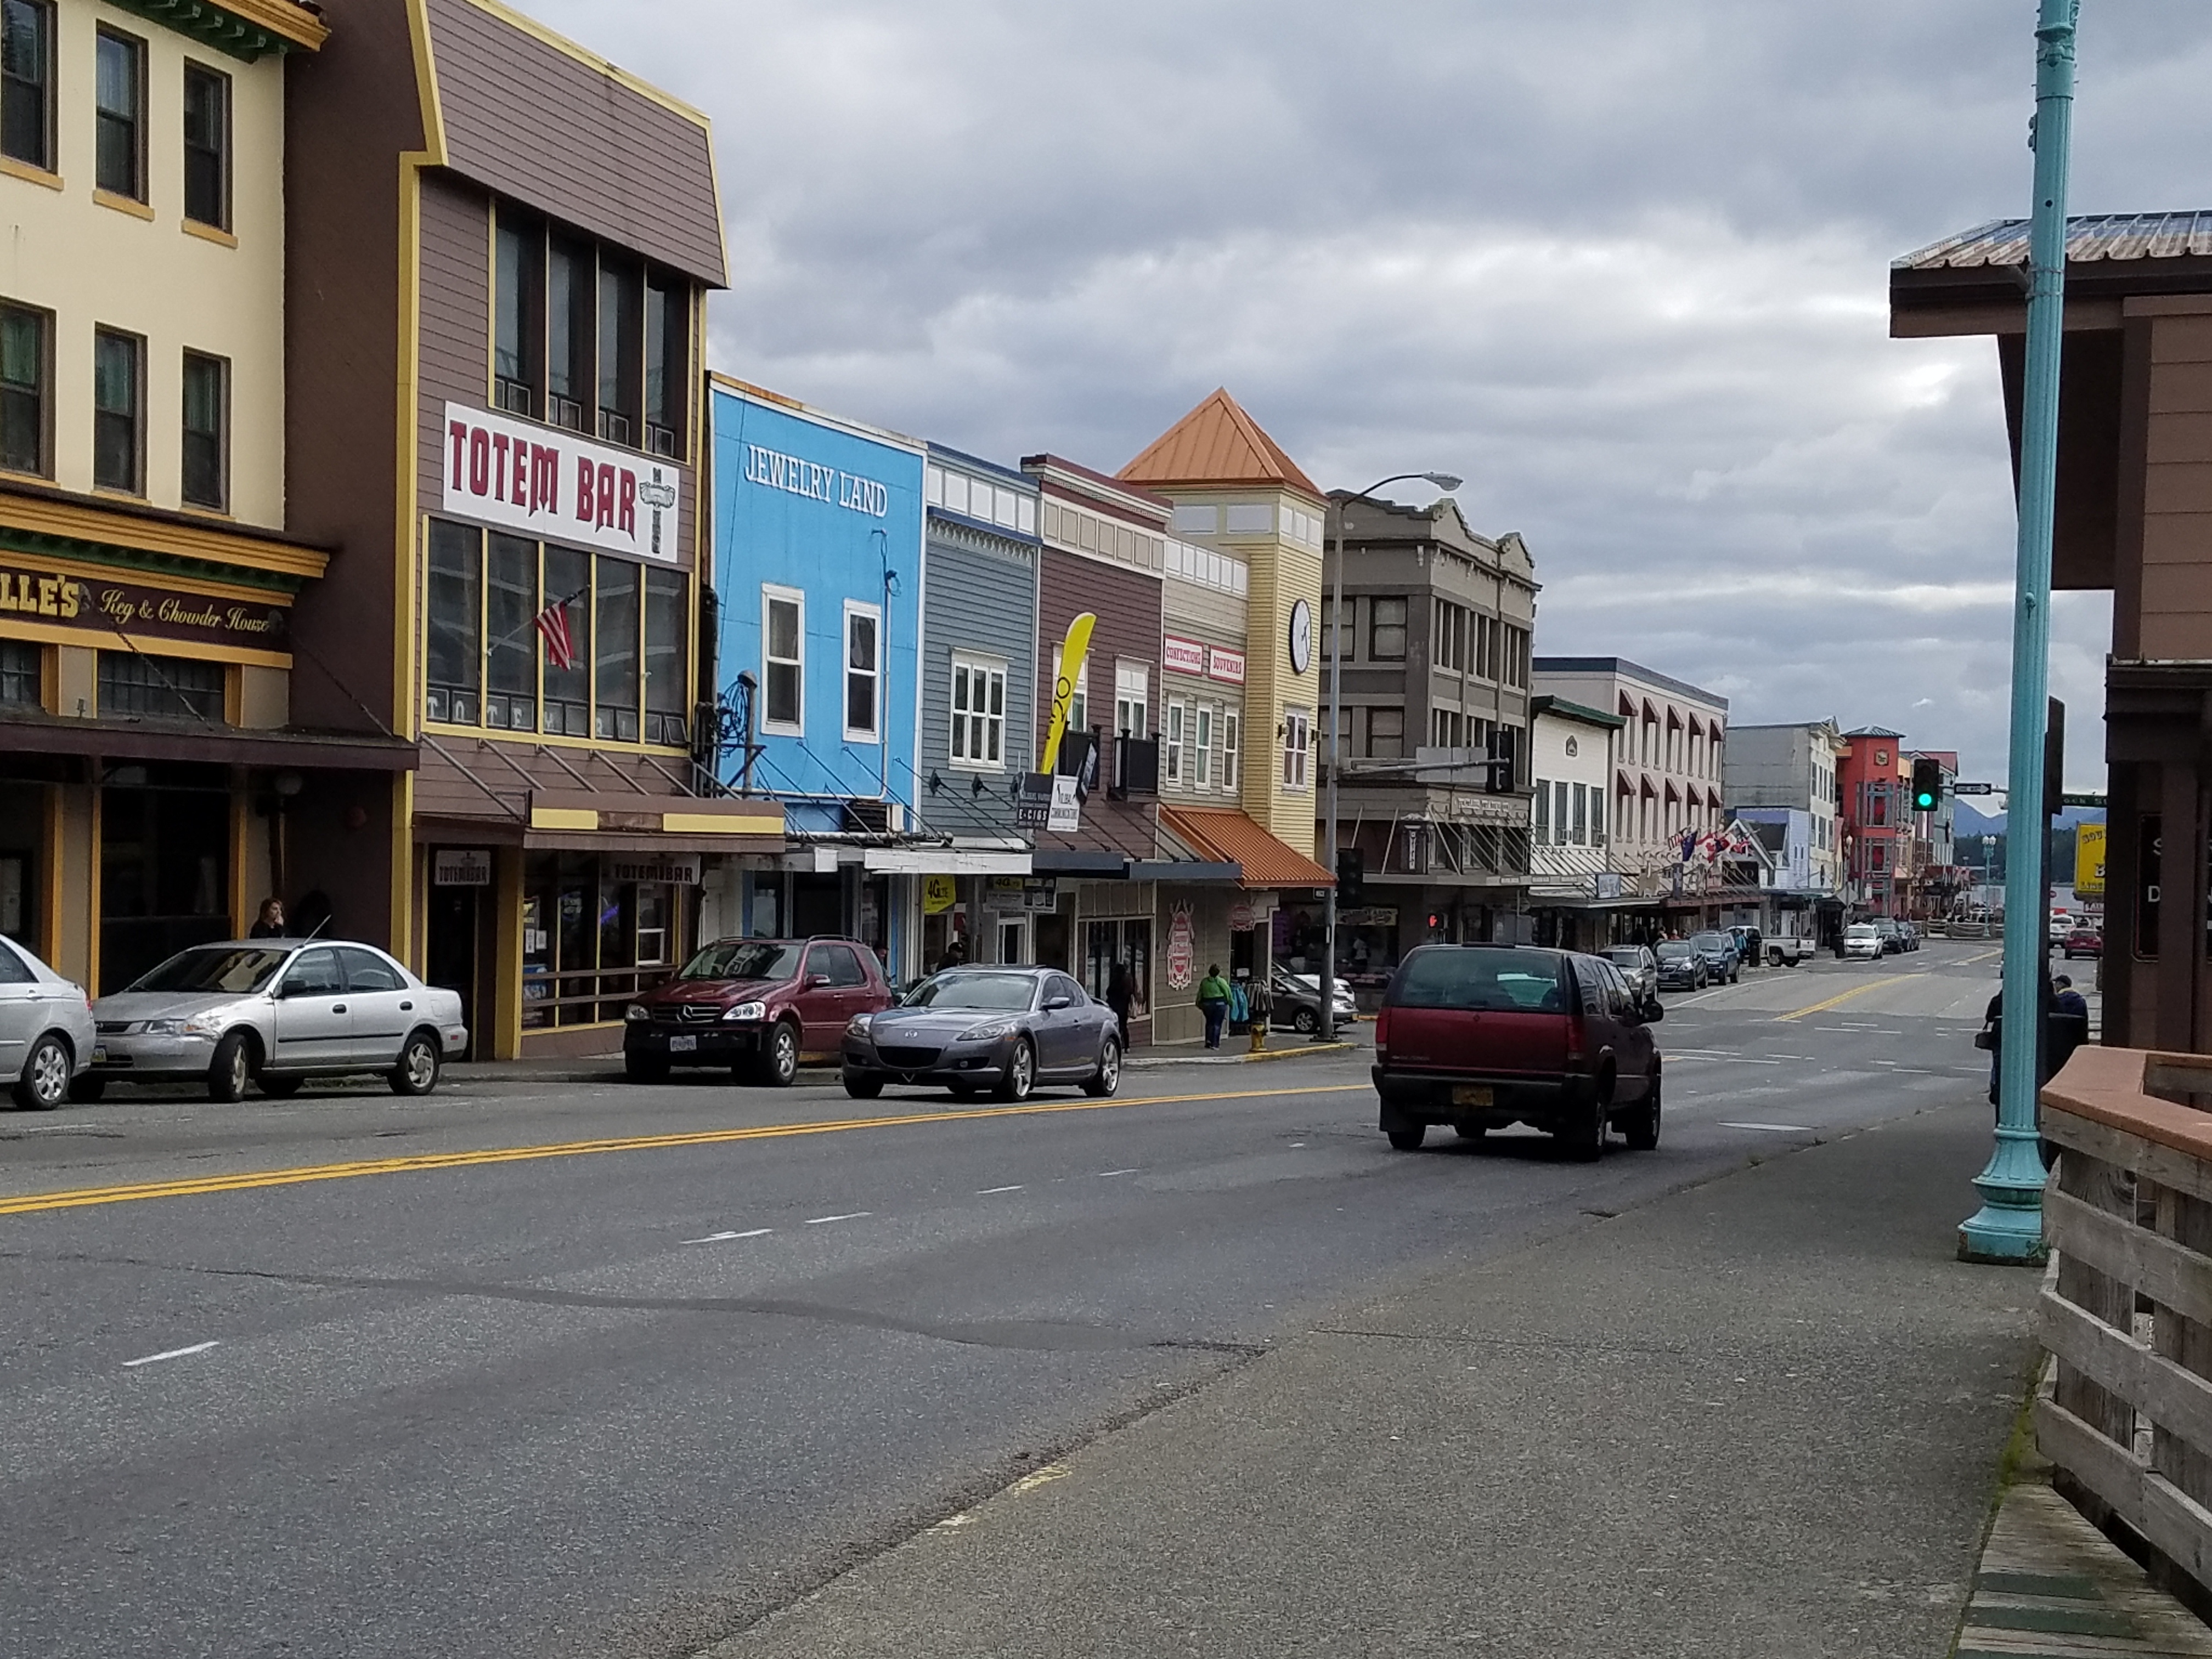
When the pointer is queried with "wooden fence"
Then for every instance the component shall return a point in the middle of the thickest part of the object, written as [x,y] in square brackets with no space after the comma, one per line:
[2127,1313]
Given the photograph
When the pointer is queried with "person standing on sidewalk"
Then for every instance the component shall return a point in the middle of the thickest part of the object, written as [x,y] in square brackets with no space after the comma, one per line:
[1118,998]
[1213,1003]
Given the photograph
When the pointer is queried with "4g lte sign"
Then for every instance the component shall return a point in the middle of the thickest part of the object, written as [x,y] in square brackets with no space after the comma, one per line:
[546,482]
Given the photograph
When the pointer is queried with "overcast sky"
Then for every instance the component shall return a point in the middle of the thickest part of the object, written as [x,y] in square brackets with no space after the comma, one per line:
[1622,265]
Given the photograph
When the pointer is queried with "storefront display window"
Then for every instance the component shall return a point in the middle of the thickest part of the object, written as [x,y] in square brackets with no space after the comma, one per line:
[165,836]
[1128,942]
[591,942]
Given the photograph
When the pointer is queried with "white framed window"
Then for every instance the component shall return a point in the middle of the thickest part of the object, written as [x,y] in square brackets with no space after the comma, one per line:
[1249,519]
[979,713]
[864,672]
[783,658]
[1297,746]
[1176,714]
[1132,684]
[933,486]
[1543,799]
[1230,720]
[1201,746]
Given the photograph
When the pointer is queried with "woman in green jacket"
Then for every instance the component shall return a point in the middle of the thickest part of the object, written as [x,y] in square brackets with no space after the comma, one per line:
[1213,1003]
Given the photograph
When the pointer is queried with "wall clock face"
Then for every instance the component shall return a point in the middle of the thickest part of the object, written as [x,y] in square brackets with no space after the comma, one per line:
[1301,637]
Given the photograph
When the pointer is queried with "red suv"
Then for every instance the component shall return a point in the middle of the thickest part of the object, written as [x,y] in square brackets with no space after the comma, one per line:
[758,1005]
[1483,1036]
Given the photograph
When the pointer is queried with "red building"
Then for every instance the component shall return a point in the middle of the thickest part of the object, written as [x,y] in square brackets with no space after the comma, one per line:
[1873,778]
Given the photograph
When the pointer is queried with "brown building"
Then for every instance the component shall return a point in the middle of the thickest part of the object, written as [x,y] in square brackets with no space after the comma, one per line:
[499,249]
[2134,516]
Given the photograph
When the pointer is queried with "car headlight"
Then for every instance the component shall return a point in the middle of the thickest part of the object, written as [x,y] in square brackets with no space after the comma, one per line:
[637,1011]
[857,1026]
[989,1031]
[746,1011]
[164,1028]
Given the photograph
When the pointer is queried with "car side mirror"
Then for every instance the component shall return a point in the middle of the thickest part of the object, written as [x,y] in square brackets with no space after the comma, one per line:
[815,982]
[1653,1011]
[1054,1005]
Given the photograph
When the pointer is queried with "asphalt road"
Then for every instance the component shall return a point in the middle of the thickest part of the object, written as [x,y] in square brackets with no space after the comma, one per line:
[578,1369]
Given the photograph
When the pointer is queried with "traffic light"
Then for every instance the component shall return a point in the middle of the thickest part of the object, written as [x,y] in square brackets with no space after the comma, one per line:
[1351,876]
[1926,784]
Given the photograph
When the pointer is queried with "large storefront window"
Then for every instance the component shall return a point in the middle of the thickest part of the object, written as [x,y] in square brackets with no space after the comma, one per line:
[165,836]
[133,685]
[487,663]
[1126,943]
[591,941]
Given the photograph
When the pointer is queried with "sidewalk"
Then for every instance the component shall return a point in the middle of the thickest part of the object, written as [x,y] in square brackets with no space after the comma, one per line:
[1762,1416]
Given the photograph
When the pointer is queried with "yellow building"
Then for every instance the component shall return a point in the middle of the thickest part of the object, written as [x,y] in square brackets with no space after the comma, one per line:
[146,576]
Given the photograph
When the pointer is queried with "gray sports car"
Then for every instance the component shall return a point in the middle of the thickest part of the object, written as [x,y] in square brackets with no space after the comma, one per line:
[1003,1029]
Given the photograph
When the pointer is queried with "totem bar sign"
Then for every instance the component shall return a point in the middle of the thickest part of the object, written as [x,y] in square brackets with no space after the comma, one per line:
[111,608]
[543,482]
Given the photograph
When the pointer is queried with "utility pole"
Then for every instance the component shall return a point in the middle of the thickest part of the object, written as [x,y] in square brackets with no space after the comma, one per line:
[2008,1227]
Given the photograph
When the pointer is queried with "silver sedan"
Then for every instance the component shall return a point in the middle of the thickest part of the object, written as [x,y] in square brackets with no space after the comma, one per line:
[46,1028]
[275,1012]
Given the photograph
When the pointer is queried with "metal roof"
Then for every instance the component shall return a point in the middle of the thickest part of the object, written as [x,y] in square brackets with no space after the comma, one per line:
[2090,238]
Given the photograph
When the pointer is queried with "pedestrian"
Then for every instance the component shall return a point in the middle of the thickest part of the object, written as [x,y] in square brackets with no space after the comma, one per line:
[1118,998]
[1213,1003]
[2068,1000]
[270,923]
[956,954]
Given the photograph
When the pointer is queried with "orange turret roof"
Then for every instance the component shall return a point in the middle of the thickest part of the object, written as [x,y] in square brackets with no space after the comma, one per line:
[1216,443]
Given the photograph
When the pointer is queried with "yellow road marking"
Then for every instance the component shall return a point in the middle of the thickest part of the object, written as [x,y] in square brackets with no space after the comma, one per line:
[1984,956]
[1845,996]
[79,1198]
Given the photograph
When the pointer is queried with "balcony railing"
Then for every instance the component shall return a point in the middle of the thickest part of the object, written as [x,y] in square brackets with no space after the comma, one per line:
[1136,767]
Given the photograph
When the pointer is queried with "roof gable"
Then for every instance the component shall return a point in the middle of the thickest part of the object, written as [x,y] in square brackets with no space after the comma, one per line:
[1217,443]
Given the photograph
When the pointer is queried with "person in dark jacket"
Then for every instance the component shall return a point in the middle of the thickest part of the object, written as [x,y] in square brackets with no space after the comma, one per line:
[270,923]
[1118,998]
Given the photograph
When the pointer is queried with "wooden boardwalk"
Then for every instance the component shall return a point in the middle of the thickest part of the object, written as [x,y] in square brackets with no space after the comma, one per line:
[2051,1586]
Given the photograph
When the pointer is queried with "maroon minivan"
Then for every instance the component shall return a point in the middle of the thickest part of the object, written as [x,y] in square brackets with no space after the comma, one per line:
[758,1005]
[1483,1036]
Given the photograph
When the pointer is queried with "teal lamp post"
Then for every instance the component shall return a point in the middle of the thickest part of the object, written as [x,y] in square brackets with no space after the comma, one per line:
[2008,1227]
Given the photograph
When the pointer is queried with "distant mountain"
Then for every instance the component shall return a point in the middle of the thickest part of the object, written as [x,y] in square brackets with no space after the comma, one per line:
[1969,821]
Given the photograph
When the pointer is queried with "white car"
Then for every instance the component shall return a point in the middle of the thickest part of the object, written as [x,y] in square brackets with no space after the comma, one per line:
[1862,939]
[275,1012]
[46,1028]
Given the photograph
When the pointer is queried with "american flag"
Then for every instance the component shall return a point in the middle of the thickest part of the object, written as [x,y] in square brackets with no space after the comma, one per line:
[552,626]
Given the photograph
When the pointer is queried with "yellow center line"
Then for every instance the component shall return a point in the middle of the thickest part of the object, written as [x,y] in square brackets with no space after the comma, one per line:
[80,1197]
[1845,996]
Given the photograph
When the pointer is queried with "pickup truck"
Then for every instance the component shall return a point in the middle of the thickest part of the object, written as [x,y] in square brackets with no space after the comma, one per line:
[1789,952]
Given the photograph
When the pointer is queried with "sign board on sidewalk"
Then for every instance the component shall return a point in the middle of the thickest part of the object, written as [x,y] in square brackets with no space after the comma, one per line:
[460,866]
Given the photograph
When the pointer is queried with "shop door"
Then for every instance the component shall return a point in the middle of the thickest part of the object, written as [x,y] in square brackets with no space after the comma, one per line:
[164,867]
[818,906]
[1013,942]
[1052,941]
[450,955]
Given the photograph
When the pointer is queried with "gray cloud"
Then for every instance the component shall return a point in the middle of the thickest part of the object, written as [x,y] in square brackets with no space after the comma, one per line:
[1624,266]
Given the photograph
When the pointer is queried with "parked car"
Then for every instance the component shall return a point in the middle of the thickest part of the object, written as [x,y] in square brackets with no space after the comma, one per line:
[1908,933]
[46,1032]
[1717,951]
[1680,967]
[2082,942]
[1789,951]
[1005,1028]
[1885,929]
[1483,1036]
[757,1006]
[1638,967]
[275,1012]
[1863,940]
[1750,944]
[1298,1001]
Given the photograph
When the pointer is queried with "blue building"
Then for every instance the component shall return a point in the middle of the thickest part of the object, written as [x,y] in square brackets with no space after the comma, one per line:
[818,576]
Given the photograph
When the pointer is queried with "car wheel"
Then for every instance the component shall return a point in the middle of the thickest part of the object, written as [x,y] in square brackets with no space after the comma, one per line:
[231,1068]
[417,1073]
[1407,1137]
[279,1088]
[88,1089]
[1108,1078]
[778,1061]
[1021,1072]
[645,1068]
[1582,1137]
[44,1083]
[863,1088]
[1642,1126]
[1305,1022]
[1470,1131]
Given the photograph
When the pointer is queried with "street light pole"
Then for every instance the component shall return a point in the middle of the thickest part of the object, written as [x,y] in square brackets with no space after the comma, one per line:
[2008,1228]
[1325,1025]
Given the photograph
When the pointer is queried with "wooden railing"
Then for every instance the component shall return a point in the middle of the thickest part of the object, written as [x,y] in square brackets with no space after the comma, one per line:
[2127,1310]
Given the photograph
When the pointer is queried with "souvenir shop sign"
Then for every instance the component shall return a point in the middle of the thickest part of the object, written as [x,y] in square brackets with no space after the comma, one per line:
[141,609]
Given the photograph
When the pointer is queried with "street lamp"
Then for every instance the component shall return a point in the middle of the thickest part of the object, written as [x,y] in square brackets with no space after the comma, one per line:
[1325,1028]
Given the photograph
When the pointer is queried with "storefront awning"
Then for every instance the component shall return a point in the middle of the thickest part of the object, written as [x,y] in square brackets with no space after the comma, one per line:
[945,862]
[226,744]
[1227,836]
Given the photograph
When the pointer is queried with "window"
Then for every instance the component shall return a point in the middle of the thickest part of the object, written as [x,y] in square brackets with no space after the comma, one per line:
[368,971]
[1132,684]
[1201,747]
[1582,815]
[120,101]
[20,676]
[1176,713]
[1229,724]
[1329,628]
[519,327]
[452,603]
[1386,631]
[620,336]
[667,348]
[315,973]
[568,691]
[837,964]
[1386,733]
[1543,813]
[27,79]
[979,712]
[863,670]
[615,688]
[1297,741]
[569,321]
[24,371]
[206,481]
[118,437]
[133,685]
[510,610]
[207,147]
[1597,816]
[1248,519]
[667,692]
[783,660]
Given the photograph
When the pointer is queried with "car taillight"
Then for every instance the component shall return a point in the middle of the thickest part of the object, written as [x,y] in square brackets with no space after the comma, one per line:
[1574,1038]
[1382,1028]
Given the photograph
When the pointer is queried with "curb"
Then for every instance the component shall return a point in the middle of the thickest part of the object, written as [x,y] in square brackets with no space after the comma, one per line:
[1149,1062]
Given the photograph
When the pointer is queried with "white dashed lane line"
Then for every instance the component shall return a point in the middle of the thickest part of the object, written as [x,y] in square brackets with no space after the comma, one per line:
[717,1238]
[986,1192]
[849,1215]
[170,1353]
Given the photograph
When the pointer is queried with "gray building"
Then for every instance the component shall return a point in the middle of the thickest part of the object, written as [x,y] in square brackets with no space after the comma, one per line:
[1437,628]
[978,673]
[1791,767]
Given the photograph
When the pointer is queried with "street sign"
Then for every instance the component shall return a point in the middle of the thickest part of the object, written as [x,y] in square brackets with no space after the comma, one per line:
[1973,789]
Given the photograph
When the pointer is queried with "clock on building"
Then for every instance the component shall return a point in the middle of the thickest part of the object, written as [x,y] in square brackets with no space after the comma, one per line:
[1301,637]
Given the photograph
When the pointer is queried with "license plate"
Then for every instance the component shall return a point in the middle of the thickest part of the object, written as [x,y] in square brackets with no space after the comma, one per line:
[1471,1094]
[683,1045]
[99,1056]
